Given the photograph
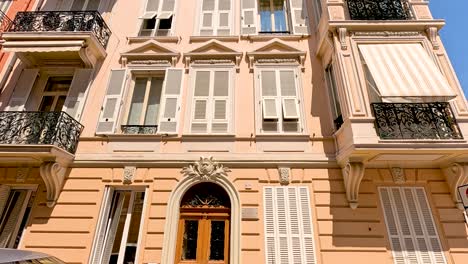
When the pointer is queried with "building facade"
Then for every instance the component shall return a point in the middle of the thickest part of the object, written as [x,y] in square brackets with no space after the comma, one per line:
[224,131]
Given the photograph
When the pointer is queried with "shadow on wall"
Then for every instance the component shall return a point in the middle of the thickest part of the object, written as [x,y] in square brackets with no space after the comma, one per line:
[51,5]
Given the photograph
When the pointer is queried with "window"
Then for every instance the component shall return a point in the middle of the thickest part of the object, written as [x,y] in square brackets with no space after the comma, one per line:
[203,235]
[334,99]
[157,20]
[5,5]
[15,207]
[411,229]
[82,5]
[279,101]
[289,235]
[274,17]
[318,11]
[55,94]
[211,104]
[152,102]
[216,18]
[118,231]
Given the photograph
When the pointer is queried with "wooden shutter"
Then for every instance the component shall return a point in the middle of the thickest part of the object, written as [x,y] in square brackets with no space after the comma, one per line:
[201,101]
[224,18]
[270,97]
[22,90]
[151,9]
[288,226]
[101,228]
[78,91]
[220,101]
[93,4]
[207,18]
[299,17]
[112,102]
[4,193]
[8,234]
[112,227]
[168,6]
[289,100]
[249,17]
[170,101]
[410,226]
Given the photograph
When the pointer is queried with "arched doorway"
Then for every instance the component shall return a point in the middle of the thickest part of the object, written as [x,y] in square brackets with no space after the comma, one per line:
[204,224]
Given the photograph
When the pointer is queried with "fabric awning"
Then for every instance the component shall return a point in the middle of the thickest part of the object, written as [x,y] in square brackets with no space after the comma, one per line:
[405,73]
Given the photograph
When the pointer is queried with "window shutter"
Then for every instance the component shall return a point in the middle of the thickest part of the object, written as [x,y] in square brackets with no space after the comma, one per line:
[78,91]
[113,224]
[201,96]
[224,17]
[168,6]
[4,193]
[78,5]
[15,206]
[112,102]
[22,90]
[170,101]
[270,99]
[220,118]
[299,17]
[410,226]
[207,19]
[306,223]
[270,237]
[93,5]
[101,228]
[152,7]
[289,102]
[249,15]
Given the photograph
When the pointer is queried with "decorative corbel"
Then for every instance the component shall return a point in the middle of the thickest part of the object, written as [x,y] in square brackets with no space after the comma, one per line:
[456,175]
[187,64]
[302,59]
[124,61]
[53,175]
[238,61]
[174,61]
[353,173]
[251,62]
[432,33]
[342,32]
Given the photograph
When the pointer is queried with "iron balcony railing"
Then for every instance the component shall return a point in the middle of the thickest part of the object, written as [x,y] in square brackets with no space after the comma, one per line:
[379,9]
[5,22]
[415,121]
[62,21]
[139,130]
[40,128]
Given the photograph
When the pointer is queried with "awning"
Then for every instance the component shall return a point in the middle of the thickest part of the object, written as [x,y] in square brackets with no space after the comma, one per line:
[405,73]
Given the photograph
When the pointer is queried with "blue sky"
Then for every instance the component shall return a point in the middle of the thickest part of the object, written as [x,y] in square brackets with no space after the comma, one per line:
[455,34]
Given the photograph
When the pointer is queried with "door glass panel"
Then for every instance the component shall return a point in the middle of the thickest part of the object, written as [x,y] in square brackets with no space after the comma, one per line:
[46,104]
[217,240]
[134,230]
[189,244]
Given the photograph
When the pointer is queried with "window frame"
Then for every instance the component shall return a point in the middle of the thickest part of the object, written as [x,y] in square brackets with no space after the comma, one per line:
[230,105]
[302,129]
[105,207]
[215,20]
[333,95]
[154,31]
[287,18]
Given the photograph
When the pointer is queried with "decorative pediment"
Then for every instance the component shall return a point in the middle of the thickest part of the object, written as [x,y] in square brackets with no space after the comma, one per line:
[213,52]
[205,169]
[276,51]
[149,53]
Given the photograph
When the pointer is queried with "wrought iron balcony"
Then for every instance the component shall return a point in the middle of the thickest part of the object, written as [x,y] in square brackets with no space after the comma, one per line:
[139,130]
[415,121]
[40,128]
[379,9]
[5,22]
[62,21]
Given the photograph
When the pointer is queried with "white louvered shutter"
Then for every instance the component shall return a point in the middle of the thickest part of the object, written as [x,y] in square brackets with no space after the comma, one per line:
[270,97]
[201,96]
[207,19]
[289,235]
[78,91]
[151,9]
[172,89]
[299,17]
[22,90]
[112,102]
[410,226]
[168,6]
[224,16]
[4,193]
[220,102]
[290,102]
[101,228]
[112,227]
[249,17]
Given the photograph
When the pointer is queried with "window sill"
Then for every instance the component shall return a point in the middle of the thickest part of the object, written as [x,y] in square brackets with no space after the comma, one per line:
[208,136]
[169,39]
[291,136]
[220,38]
[274,36]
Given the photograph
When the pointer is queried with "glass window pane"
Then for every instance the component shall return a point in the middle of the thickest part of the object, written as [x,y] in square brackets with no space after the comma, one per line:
[280,20]
[264,10]
[120,228]
[136,105]
[46,103]
[269,83]
[217,240]
[189,243]
[154,101]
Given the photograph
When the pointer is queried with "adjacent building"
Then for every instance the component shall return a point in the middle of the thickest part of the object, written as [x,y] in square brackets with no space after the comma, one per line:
[232,131]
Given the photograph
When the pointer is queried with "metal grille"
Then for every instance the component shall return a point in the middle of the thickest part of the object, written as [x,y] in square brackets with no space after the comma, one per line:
[62,21]
[415,121]
[379,9]
[40,128]
[139,130]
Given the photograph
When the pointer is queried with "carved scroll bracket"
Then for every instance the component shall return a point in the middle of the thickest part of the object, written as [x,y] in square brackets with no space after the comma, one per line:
[342,33]
[353,173]
[205,169]
[456,175]
[432,33]
[53,175]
